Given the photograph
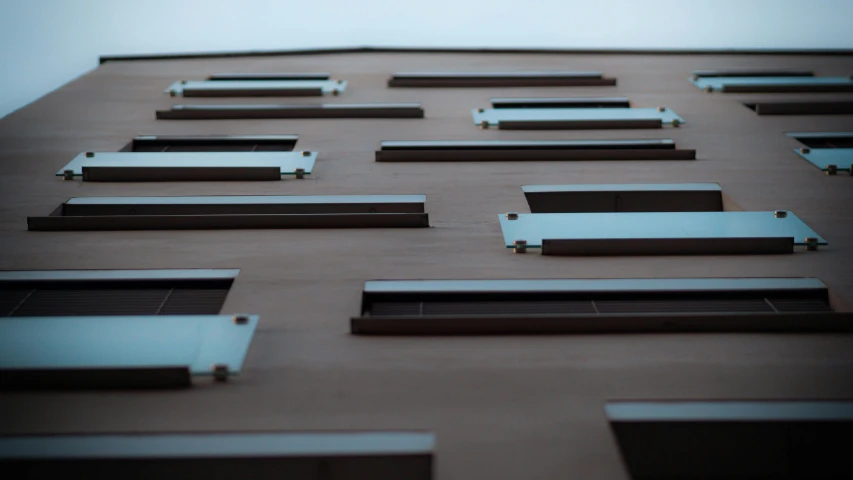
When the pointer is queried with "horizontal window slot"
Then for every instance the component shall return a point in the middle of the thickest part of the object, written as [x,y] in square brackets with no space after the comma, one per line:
[222,212]
[500,79]
[223,112]
[351,455]
[751,73]
[669,246]
[600,233]
[690,197]
[575,118]
[830,160]
[23,297]
[733,439]
[824,139]
[569,102]
[801,108]
[257,88]
[270,76]
[602,305]
[212,143]
[533,150]
[794,84]
[187,166]
[146,350]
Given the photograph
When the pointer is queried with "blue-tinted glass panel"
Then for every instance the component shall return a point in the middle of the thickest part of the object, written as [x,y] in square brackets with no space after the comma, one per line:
[495,115]
[534,227]
[730,411]
[327,86]
[719,83]
[288,162]
[842,158]
[201,445]
[592,285]
[195,341]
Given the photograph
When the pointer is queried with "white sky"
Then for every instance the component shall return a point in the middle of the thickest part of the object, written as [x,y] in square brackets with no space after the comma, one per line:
[46,43]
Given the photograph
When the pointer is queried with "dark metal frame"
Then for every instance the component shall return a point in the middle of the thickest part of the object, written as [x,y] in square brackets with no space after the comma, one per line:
[222,112]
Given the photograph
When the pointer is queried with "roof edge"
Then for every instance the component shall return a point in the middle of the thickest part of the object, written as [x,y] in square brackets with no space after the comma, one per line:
[371,49]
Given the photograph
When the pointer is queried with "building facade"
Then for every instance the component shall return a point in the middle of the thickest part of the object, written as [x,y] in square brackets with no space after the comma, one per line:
[501,406]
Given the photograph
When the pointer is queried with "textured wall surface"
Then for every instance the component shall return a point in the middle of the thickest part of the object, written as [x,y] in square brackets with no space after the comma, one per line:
[502,407]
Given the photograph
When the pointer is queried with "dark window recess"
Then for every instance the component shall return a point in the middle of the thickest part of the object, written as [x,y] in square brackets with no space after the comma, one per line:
[567,102]
[270,76]
[352,455]
[801,108]
[824,139]
[530,150]
[717,440]
[54,298]
[751,73]
[212,143]
[523,310]
[223,112]
[624,198]
[499,79]
[235,212]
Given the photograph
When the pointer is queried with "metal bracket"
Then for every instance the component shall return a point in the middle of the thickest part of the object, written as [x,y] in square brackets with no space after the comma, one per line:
[831,169]
[241,319]
[220,372]
[780,214]
[68,174]
[512,216]
[300,173]
[519,246]
[484,124]
[811,244]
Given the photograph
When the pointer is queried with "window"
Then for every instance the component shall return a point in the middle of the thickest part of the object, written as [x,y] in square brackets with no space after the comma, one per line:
[568,102]
[234,212]
[270,76]
[530,150]
[770,82]
[121,351]
[828,151]
[657,233]
[56,293]
[575,118]
[267,455]
[499,79]
[187,166]
[212,143]
[337,110]
[733,439]
[674,197]
[801,108]
[256,88]
[436,307]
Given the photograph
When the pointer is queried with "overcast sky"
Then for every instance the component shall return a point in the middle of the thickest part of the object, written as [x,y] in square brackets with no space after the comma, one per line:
[46,43]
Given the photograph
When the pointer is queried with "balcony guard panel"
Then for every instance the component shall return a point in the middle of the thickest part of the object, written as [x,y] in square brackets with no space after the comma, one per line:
[530,150]
[256,88]
[270,76]
[673,197]
[667,228]
[540,306]
[499,79]
[561,102]
[569,118]
[774,84]
[118,275]
[234,211]
[828,159]
[739,439]
[336,110]
[149,166]
[264,456]
[42,349]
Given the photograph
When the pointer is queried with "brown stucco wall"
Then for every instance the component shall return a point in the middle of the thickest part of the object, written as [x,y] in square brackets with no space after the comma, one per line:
[502,407]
